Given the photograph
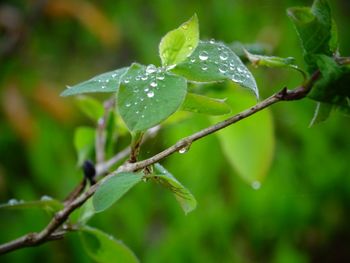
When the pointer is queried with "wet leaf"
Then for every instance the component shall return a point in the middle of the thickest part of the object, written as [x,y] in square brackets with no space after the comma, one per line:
[206,105]
[147,96]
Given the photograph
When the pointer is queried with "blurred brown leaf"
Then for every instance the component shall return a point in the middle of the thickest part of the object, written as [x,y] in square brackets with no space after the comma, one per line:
[17,113]
[88,15]
[50,101]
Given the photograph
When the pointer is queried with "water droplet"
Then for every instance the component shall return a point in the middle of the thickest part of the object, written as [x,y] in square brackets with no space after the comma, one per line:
[144,77]
[212,41]
[185,26]
[161,77]
[142,116]
[151,69]
[256,185]
[114,75]
[103,87]
[222,69]
[128,105]
[203,55]
[146,89]
[224,56]
[153,84]
[184,149]
[13,201]
[240,70]
[137,77]
[190,48]
[150,94]
[204,67]
[193,60]
[45,198]
[137,112]
[126,81]
[107,80]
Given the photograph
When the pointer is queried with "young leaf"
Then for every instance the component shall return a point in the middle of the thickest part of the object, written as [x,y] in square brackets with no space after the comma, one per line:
[248,145]
[90,106]
[270,61]
[179,43]
[148,95]
[104,248]
[333,87]
[45,202]
[206,105]
[316,30]
[106,82]
[84,141]
[182,195]
[112,189]
[213,61]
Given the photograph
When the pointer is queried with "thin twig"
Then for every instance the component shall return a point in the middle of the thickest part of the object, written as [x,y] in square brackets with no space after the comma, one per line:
[48,233]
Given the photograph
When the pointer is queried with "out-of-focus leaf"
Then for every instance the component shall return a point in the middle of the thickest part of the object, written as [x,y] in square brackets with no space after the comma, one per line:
[333,86]
[46,203]
[87,212]
[322,112]
[316,30]
[112,189]
[249,144]
[84,141]
[214,61]
[182,194]
[106,82]
[91,107]
[179,43]
[89,16]
[104,248]
[148,95]
[255,48]
[270,61]
[206,105]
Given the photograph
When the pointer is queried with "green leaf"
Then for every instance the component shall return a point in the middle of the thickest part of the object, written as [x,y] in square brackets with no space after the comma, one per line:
[249,144]
[45,202]
[333,86]
[106,82]
[179,43]
[213,61]
[84,142]
[91,107]
[316,30]
[113,188]
[148,95]
[104,248]
[270,61]
[182,195]
[206,105]
[322,113]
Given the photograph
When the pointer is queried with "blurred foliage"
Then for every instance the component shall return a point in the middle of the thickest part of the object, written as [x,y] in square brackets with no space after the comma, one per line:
[301,211]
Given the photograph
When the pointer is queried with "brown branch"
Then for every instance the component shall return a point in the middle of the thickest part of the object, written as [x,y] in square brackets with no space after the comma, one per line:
[49,232]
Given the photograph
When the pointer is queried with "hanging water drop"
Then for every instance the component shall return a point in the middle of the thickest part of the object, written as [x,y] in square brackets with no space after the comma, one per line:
[150,94]
[203,55]
[256,185]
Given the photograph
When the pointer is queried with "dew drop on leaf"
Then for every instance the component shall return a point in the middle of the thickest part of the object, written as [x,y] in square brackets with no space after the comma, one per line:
[45,198]
[224,56]
[151,69]
[13,201]
[150,94]
[153,84]
[203,55]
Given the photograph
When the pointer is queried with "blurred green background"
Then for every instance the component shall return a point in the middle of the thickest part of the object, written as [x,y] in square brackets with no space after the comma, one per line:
[301,212]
